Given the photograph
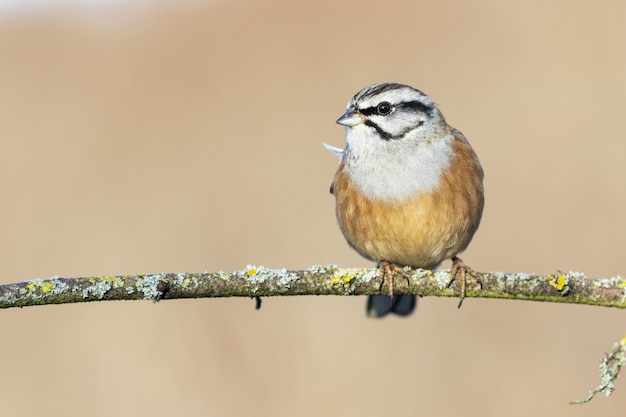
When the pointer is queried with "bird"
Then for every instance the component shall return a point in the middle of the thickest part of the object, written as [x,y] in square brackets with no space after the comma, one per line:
[408,190]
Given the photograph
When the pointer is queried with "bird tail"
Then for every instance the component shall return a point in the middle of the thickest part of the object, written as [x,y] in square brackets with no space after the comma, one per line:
[378,306]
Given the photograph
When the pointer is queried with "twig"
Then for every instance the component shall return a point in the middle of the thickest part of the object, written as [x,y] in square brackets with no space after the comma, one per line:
[258,281]
[610,366]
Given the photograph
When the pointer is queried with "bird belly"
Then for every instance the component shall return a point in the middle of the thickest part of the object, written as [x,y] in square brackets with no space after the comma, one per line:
[412,233]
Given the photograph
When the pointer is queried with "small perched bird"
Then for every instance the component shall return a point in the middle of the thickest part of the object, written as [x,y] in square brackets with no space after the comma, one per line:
[409,188]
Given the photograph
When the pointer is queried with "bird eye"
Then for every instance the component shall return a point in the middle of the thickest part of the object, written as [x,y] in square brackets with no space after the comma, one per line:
[384,108]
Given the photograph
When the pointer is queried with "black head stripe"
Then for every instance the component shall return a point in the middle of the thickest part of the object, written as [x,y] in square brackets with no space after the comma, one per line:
[368,111]
[378,89]
[418,106]
[388,136]
[384,135]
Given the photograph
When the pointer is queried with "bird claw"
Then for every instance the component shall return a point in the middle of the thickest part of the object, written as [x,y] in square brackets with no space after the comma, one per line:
[462,270]
[387,269]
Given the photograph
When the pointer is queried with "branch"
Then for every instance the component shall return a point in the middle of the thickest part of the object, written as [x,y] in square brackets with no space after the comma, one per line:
[610,366]
[258,281]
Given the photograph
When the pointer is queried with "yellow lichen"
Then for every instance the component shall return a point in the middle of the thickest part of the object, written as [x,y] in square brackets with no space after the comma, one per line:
[251,272]
[46,287]
[345,276]
[558,282]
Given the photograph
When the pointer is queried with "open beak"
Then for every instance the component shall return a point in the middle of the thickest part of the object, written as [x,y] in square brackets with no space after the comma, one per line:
[350,118]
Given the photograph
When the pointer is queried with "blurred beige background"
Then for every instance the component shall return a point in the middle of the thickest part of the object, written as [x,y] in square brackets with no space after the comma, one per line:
[153,137]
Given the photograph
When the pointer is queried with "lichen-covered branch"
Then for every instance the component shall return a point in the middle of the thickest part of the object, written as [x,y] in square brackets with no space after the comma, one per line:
[610,366]
[258,281]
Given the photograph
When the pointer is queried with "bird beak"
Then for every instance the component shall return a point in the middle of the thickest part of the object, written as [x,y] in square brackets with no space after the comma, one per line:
[350,118]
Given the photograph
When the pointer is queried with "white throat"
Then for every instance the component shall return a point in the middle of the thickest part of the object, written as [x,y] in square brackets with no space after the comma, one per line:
[395,170]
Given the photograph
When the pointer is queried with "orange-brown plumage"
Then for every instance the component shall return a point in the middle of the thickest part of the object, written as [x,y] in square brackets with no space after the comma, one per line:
[421,231]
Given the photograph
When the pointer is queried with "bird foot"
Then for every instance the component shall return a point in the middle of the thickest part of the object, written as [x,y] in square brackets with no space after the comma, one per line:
[387,269]
[461,270]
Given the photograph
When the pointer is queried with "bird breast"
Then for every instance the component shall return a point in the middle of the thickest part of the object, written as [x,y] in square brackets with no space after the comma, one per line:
[415,216]
[395,169]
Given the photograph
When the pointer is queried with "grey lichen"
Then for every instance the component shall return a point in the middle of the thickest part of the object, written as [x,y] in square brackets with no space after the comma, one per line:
[278,279]
[610,367]
[442,278]
[98,289]
[148,286]
[321,269]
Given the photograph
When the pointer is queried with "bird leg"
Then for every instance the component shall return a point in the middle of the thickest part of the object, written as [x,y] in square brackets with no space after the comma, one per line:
[462,270]
[387,269]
